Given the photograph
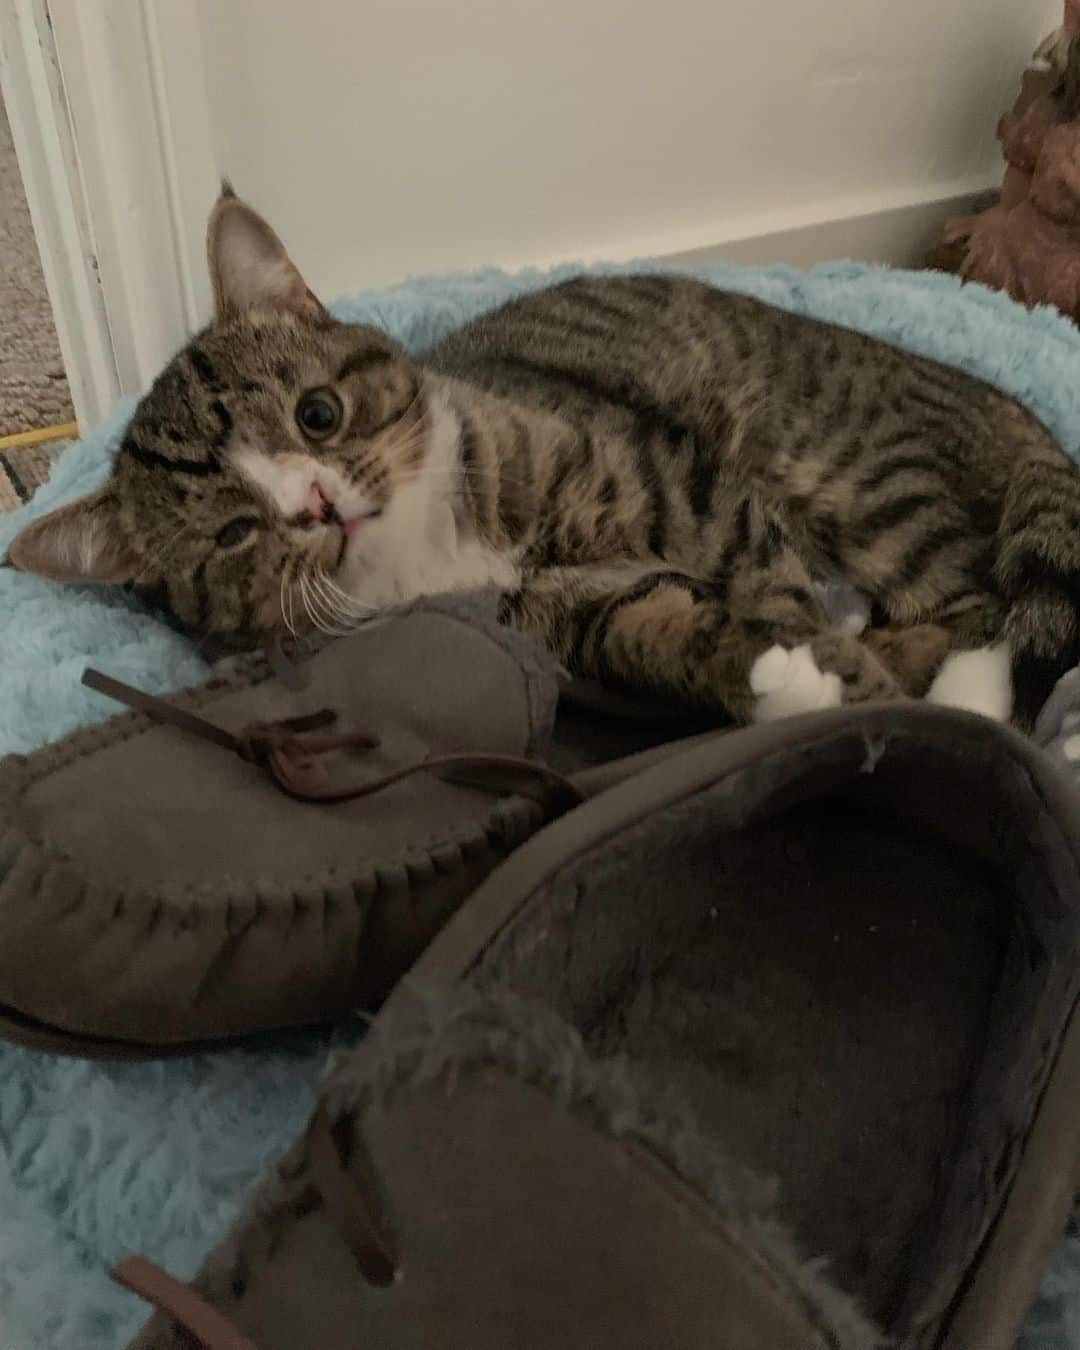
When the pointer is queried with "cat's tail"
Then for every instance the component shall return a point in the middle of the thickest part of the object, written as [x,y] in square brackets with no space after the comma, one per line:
[1037,566]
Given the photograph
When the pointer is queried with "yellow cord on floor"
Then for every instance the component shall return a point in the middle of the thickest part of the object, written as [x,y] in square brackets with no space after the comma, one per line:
[64,432]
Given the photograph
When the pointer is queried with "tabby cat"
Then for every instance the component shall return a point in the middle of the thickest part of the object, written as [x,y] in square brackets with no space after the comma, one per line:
[656,474]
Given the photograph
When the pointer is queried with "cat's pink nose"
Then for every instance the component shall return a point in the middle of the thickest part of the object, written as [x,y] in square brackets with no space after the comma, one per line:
[316,504]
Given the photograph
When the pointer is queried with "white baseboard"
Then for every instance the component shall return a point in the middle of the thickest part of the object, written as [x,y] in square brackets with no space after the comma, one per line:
[899,234]
[896,227]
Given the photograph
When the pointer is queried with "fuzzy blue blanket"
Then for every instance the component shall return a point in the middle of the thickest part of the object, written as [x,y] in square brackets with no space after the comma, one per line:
[95,1160]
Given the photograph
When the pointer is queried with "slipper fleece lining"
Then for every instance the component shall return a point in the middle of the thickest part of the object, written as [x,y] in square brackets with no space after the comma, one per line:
[851,1000]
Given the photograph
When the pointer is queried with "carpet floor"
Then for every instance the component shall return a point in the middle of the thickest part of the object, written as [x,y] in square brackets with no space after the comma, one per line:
[33,388]
[23,469]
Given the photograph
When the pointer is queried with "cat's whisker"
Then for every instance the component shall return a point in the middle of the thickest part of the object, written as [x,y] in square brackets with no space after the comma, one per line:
[344,599]
[410,439]
[167,547]
[286,615]
[413,437]
[305,601]
[322,613]
[309,608]
[417,398]
[299,584]
[291,596]
[459,473]
[346,611]
[455,474]
[459,470]
[322,598]
[323,618]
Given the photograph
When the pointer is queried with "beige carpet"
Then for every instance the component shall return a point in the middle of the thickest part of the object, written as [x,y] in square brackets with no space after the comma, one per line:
[33,390]
[23,470]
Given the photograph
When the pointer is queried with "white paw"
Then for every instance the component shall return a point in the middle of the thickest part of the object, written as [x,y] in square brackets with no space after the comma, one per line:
[789,682]
[978,681]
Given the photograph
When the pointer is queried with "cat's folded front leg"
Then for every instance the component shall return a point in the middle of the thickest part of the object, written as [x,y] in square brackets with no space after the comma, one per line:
[707,644]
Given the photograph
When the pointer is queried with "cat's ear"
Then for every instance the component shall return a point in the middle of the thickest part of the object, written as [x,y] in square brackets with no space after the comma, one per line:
[82,541]
[248,262]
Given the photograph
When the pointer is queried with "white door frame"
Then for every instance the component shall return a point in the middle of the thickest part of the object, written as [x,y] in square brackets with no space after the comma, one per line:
[41,129]
[112,128]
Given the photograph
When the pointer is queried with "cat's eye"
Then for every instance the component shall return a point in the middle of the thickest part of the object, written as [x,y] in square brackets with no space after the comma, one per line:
[235,532]
[319,413]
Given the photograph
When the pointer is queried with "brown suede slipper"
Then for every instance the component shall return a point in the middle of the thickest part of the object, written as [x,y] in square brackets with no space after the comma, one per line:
[839,953]
[274,849]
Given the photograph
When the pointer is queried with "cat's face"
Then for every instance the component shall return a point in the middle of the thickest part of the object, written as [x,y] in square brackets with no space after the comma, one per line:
[252,469]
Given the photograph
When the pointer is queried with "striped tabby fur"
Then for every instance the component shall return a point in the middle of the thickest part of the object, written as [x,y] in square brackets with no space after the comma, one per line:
[653,471]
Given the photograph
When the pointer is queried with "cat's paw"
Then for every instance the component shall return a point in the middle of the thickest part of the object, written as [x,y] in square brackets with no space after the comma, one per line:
[864,679]
[913,654]
[786,681]
[978,681]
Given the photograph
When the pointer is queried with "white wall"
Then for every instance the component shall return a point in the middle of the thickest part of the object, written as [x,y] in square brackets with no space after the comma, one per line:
[384,137]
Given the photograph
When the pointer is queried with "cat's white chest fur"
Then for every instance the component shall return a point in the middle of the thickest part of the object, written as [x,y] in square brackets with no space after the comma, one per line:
[416,548]
[388,565]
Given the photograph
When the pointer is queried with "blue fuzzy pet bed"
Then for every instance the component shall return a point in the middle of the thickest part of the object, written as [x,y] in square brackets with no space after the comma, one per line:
[99,1160]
